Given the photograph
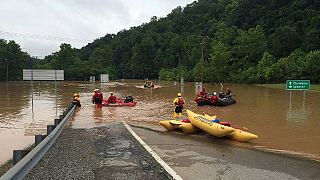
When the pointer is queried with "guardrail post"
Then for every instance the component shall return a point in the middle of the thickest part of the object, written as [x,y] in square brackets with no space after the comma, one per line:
[18,155]
[57,121]
[38,138]
[70,106]
[50,128]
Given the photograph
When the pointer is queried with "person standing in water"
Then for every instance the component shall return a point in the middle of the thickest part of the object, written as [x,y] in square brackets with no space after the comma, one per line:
[178,102]
[97,98]
[76,100]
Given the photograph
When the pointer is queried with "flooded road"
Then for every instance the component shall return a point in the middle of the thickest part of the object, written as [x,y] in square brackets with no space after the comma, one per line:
[282,126]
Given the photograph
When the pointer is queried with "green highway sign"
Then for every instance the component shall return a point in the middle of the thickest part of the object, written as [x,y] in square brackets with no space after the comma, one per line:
[298,84]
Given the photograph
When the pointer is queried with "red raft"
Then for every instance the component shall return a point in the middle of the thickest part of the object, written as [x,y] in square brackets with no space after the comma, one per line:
[118,103]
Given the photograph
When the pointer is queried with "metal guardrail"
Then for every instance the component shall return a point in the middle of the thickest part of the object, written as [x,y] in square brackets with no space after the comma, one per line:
[25,165]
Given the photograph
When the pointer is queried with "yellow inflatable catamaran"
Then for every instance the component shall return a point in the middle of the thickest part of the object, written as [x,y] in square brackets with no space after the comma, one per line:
[237,134]
[186,127]
[208,126]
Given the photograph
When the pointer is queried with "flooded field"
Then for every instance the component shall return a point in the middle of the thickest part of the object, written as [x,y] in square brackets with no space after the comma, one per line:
[284,126]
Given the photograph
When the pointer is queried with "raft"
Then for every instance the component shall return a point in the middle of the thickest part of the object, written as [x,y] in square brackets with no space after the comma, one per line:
[242,136]
[148,84]
[119,103]
[225,101]
[208,126]
[201,101]
[186,127]
[238,134]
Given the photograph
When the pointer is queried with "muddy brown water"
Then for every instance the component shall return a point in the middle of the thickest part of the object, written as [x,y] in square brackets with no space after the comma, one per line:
[281,126]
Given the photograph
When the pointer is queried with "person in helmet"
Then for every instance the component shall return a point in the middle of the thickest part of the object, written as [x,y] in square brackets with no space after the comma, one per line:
[97,98]
[76,99]
[214,99]
[228,93]
[178,102]
[112,98]
[203,92]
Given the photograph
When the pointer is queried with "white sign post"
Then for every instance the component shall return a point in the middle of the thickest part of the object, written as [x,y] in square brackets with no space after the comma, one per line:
[104,78]
[43,75]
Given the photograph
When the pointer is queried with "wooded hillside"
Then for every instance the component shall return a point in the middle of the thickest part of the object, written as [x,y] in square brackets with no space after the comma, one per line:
[246,41]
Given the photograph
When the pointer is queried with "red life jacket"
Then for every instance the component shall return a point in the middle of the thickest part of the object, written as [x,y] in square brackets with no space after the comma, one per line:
[214,98]
[112,99]
[180,101]
[98,95]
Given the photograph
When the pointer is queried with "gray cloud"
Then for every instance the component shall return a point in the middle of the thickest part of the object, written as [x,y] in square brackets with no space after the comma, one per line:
[40,26]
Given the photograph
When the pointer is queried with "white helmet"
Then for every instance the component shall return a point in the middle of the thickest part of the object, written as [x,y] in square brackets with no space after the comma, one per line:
[214,93]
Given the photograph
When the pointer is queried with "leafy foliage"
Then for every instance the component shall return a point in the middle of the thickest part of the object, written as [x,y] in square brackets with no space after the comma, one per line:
[256,41]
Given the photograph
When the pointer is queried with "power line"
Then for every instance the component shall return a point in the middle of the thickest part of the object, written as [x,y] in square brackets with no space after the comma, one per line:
[40,37]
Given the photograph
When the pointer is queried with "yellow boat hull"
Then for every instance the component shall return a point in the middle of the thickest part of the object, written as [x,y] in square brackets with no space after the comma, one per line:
[238,134]
[208,126]
[171,125]
[242,136]
[188,128]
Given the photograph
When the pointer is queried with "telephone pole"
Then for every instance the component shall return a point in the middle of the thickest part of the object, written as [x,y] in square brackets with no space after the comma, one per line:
[202,58]
[7,70]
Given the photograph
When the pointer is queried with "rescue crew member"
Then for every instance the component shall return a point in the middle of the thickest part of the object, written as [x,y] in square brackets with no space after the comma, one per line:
[178,102]
[228,93]
[112,98]
[214,99]
[97,98]
[203,92]
[76,100]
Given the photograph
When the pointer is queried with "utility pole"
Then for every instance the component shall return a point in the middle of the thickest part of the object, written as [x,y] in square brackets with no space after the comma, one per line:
[7,70]
[202,58]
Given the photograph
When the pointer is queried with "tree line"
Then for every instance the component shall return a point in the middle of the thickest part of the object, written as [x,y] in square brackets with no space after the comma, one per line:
[256,41]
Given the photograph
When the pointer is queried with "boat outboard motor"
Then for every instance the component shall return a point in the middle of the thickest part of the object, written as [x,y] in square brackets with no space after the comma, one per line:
[128,99]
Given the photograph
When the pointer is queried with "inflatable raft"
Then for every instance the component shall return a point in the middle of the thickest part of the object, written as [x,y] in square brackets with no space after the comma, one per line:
[208,126]
[225,101]
[184,125]
[148,84]
[118,103]
[238,134]
[201,101]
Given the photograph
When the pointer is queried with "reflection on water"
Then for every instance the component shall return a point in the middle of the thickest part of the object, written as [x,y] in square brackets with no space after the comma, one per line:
[19,122]
[281,125]
[298,113]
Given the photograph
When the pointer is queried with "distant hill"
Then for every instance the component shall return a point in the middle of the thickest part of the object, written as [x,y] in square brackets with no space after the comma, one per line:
[246,41]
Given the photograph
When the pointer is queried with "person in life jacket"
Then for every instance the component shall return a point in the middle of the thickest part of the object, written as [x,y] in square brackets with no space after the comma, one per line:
[76,100]
[97,98]
[112,98]
[228,93]
[203,92]
[178,102]
[214,99]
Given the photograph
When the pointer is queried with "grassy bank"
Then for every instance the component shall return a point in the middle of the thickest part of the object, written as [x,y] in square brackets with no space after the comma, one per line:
[9,164]
[314,87]
[5,167]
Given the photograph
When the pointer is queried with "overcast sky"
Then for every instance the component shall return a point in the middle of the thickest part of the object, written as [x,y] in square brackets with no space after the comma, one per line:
[40,26]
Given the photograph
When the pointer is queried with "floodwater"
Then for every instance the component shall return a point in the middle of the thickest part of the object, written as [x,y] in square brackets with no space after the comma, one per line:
[282,125]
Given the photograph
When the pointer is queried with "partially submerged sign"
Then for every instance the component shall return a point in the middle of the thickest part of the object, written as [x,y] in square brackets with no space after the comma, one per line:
[298,85]
[43,75]
[104,78]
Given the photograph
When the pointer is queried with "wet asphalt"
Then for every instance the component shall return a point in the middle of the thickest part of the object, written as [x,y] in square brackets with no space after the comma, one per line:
[201,156]
[109,152]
